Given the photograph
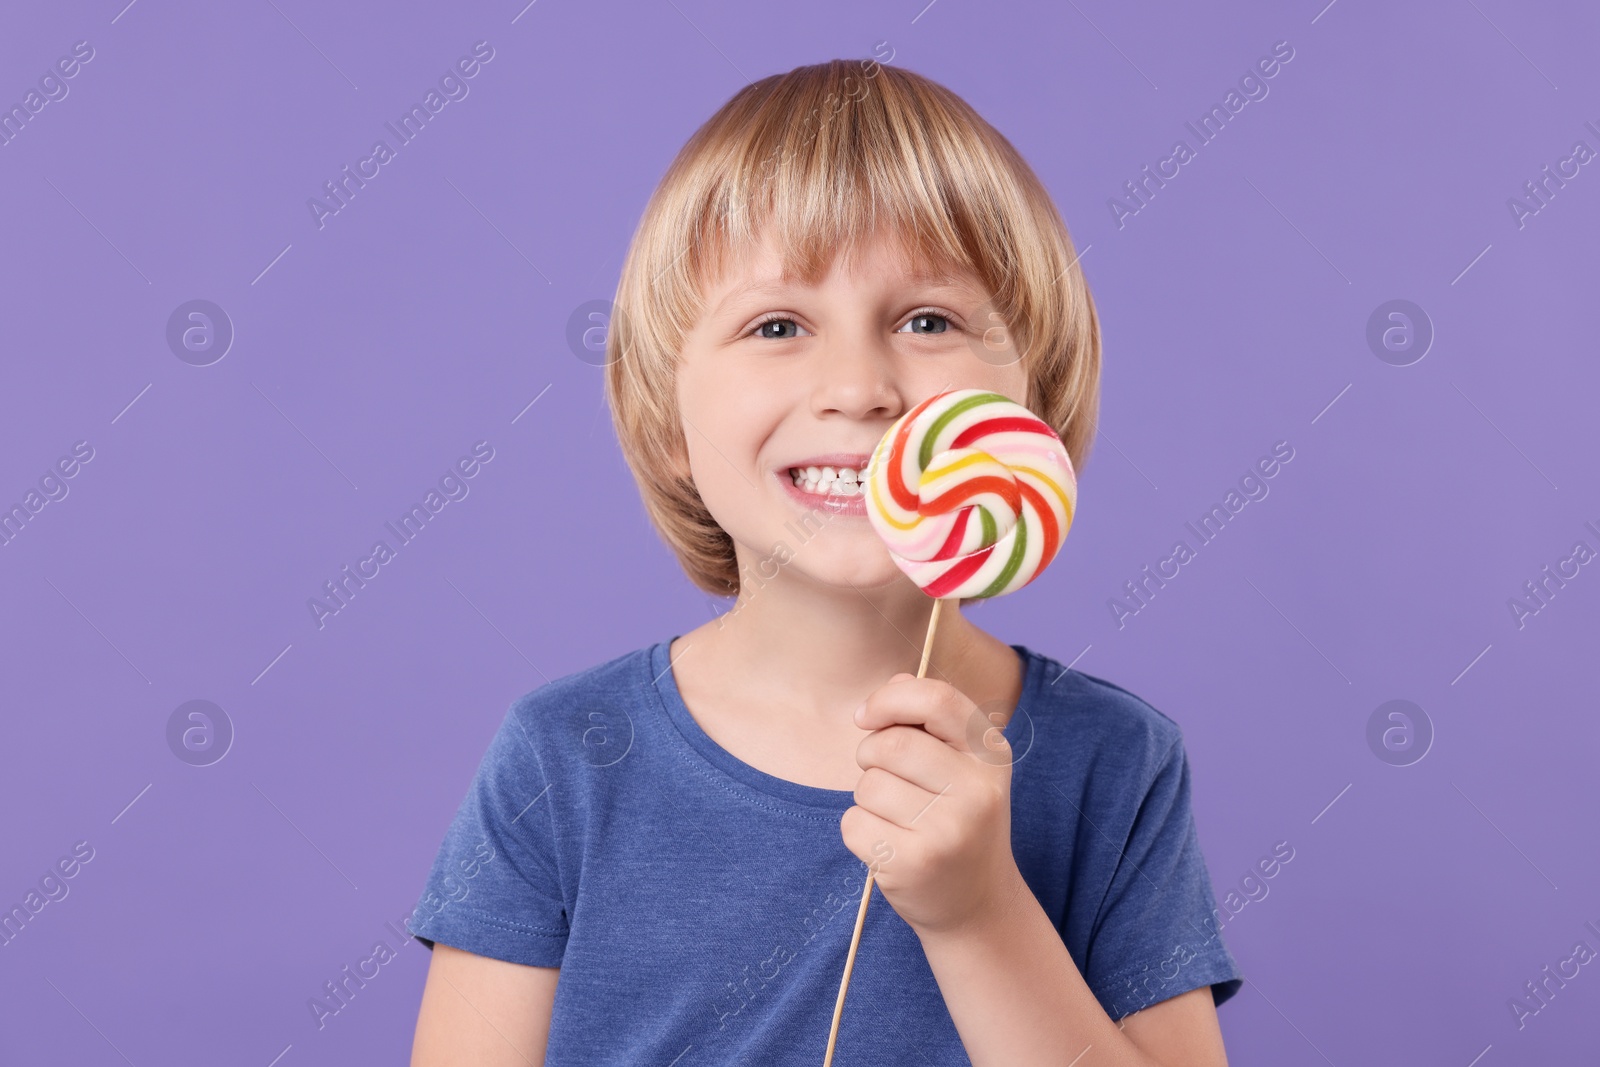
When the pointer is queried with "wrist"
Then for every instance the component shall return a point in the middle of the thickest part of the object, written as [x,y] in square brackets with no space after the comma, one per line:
[990,917]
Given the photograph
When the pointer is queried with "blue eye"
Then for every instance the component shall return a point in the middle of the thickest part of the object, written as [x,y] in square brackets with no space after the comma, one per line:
[766,326]
[935,323]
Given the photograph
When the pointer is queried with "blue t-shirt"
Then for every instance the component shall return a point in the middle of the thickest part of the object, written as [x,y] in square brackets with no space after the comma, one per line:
[700,909]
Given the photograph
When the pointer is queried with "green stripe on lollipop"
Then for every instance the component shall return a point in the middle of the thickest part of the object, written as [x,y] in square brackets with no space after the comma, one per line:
[935,428]
[990,533]
[1019,548]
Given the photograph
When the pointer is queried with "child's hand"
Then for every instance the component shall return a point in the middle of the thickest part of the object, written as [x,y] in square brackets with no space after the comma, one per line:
[933,806]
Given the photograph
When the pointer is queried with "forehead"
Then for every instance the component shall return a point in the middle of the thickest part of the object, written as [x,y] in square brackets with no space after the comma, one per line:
[771,265]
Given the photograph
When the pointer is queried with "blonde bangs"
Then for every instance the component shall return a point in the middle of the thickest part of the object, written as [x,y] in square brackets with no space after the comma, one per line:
[830,155]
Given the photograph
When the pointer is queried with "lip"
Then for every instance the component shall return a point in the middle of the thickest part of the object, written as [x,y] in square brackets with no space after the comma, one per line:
[831,459]
[842,506]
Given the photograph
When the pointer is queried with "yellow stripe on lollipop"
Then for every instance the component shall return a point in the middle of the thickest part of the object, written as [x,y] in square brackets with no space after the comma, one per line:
[884,513]
[936,471]
[1055,486]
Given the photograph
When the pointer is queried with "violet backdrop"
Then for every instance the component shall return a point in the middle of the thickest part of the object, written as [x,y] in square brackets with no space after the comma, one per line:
[372,348]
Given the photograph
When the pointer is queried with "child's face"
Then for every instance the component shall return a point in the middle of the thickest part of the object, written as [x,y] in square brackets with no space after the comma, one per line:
[813,389]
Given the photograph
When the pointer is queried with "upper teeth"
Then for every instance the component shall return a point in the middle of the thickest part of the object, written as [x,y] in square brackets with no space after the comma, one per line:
[841,481]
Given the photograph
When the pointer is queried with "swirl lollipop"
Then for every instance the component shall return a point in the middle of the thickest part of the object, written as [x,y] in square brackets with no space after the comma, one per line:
[973,494]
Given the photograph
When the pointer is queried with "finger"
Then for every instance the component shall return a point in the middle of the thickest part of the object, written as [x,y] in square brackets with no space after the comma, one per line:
[873,839]
[891,797]
[937,706]
[912,754]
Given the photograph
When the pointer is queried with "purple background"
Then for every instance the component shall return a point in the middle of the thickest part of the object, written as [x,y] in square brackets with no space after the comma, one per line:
[432,310]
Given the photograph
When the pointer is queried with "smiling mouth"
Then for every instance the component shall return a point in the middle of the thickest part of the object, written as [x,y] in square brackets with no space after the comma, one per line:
[829,481]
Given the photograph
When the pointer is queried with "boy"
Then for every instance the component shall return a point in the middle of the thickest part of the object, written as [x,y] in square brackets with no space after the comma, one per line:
[657,859]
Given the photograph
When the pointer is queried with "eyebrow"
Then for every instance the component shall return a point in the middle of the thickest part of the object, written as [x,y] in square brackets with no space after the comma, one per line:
[776,287]
[769,288]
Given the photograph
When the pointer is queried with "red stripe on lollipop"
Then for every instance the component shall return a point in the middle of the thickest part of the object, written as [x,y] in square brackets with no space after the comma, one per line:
[959,572]
[1001,424]
[952,544]
[897,454]
[1047,526]
[1005,488]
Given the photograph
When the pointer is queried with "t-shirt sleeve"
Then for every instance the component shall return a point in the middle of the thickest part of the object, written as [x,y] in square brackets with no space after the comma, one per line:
[494,889]
[1157,934]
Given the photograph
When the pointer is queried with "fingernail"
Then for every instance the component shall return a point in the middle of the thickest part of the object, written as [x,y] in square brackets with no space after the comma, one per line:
[861,712]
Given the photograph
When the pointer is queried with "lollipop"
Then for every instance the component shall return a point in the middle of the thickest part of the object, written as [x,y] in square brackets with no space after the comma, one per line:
[972,493]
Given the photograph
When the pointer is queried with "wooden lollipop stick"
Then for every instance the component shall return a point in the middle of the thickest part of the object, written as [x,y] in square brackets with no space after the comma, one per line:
[866,890]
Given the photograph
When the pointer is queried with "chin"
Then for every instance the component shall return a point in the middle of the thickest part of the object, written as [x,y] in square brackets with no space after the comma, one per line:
[837,555]
[852,572]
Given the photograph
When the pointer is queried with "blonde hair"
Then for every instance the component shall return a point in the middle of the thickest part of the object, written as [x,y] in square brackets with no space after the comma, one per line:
[827,153]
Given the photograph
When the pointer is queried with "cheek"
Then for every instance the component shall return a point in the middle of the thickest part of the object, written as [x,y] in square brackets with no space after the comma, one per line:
[722,488]
[1013,382]
[722,441]
[703,383]
[721,393]
[730,413]
[966,371]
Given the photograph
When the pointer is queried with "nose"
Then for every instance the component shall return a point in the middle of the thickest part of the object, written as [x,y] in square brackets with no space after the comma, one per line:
[855,377]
